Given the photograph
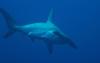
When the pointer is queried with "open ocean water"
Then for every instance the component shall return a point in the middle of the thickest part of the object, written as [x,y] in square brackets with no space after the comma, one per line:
[78,19]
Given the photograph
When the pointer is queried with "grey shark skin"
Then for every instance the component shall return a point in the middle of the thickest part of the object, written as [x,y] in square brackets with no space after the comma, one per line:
[46,31]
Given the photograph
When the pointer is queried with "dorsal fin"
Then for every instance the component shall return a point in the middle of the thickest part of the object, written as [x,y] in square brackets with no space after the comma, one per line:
[50,16]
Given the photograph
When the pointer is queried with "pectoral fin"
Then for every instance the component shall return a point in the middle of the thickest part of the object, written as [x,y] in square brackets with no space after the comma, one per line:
[31,36]
[49,46]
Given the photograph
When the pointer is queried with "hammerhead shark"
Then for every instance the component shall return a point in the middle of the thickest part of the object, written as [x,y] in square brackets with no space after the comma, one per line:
[46,31]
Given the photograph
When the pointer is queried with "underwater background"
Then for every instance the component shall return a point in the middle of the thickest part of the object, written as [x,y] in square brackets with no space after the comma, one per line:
[78,19]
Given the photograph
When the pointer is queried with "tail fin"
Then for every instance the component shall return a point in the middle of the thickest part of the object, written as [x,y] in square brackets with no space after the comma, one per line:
[9,21]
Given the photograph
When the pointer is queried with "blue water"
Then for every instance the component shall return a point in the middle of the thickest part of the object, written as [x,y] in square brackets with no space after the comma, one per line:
[78,19]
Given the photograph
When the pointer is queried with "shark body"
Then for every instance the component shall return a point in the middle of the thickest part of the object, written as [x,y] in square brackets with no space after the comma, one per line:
[46,31]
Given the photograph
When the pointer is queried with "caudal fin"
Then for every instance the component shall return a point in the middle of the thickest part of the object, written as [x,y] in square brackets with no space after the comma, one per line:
[9,21]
